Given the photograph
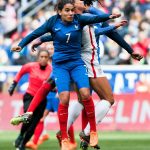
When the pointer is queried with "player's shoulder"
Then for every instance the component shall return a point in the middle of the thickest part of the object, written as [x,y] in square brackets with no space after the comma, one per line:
[53,18]
[51,21]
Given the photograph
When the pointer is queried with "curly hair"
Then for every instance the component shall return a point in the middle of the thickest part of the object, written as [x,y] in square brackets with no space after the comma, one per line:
[62,3]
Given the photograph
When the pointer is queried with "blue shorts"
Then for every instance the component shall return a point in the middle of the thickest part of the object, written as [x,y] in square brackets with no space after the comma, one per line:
[52,102]
[70,70]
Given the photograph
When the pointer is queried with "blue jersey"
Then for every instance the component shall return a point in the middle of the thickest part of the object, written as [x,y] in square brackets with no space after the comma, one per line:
[66,37]
[66,40]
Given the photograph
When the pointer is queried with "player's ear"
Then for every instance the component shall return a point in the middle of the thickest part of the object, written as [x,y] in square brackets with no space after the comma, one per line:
[59,12]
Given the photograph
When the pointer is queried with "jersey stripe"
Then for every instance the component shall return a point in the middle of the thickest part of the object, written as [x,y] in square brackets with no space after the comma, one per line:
[93,52]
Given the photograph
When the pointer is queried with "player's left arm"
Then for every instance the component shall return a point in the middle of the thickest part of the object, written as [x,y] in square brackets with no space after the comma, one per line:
[39,41]
[86,19]
[115,36]
[100,31]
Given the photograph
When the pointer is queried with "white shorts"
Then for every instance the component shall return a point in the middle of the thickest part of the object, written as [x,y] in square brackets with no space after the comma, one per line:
[93,67]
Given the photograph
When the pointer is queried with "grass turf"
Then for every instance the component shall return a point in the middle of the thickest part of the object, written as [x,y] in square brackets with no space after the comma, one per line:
[107,141]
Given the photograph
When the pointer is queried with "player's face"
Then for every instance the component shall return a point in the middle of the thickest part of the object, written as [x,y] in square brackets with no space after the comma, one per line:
[67,13]
[79,6]
[43,58]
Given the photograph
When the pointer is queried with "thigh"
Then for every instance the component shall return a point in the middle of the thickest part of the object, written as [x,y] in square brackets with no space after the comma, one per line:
[27,98]
[37,115]
[80,76]
[62,79]
[102,87]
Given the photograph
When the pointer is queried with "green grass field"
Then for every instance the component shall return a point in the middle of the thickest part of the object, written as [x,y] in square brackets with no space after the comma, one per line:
[107,141]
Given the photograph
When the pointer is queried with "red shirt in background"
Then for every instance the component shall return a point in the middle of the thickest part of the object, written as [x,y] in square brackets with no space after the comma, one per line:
[36,76]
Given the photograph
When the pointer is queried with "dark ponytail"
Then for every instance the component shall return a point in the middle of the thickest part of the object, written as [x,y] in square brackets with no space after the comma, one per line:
[88,2]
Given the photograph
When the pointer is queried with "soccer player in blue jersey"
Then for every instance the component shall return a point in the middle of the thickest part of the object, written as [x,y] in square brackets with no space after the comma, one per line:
[94,70]
[65,29]
[90,55]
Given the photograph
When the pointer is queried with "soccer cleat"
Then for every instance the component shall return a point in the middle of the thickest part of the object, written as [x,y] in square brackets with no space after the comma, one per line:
[73,146]
[97,147]
[43,138]
[84,137]
[59,138]
[85,141]
[93,138]
[65,144]
[24,118]
[20,148]
[31,145]
[83,145]
[18,141]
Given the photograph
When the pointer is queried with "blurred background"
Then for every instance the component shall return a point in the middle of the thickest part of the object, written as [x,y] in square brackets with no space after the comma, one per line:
[130,79]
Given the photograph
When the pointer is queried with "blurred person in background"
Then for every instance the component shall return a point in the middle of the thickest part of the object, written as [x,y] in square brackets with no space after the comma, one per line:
[4,60]
[35,70]
[9,15]
[40,134]
[141,46]
[143,84]
[112,56]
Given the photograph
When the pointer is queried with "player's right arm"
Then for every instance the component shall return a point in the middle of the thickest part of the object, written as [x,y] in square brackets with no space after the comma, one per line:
[41,40]
[24,69]
[45,28]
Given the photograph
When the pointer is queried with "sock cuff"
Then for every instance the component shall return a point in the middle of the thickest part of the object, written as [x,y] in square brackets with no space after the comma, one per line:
[103,101]
[63,105]
[88,99]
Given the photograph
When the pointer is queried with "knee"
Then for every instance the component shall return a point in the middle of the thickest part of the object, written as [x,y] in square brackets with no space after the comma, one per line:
[64,99]
[85,95]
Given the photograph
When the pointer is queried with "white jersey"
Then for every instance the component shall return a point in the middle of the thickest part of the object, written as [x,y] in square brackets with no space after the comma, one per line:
[89,52]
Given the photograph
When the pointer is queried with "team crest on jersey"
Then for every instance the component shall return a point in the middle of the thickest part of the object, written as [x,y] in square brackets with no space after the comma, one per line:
[76,26]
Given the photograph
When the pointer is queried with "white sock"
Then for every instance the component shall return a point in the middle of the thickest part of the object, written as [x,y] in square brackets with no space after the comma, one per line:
[101,109]
[74,111]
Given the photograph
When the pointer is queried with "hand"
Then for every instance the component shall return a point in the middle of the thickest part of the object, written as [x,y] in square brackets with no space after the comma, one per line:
[12,88]
[136,56]
[16,49]
[35,45]
[113,16]
[122,23]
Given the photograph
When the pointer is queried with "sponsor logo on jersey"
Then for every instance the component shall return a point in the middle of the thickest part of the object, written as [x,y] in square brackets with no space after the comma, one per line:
[76,26]
[56,29]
